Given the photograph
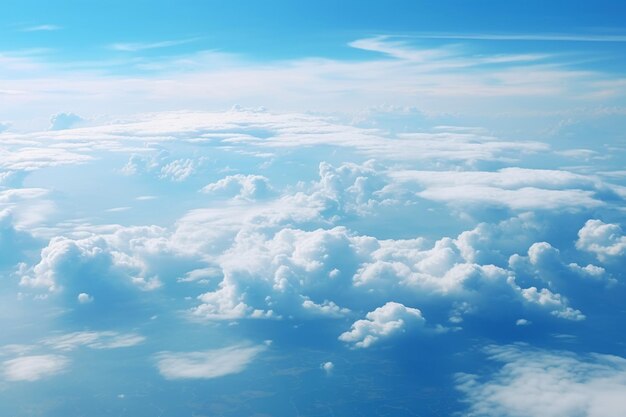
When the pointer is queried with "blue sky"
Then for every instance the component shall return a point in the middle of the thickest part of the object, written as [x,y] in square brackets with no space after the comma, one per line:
[331,208]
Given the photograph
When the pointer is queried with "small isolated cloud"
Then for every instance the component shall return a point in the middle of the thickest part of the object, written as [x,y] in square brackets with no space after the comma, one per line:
[84,298]
[33,368]
[384,322]
[533,382]
[605,240]
[327,367]
[207,364]
[523,322]
[61,121]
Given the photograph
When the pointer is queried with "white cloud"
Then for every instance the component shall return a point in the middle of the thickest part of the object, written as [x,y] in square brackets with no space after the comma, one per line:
[515,188]
[84,298]
[533,382]
[33,158]
[556,303]
[605,240]
[207,364]
[62,121]
[178,170]
[384,322]
[33,368]
[247,187]
[94,340]
[326,308]
[327,367]
[141,46]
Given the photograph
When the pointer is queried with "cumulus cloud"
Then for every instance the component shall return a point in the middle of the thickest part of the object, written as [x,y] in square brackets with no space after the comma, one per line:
[61,121]
[84,298]
[382,323]
[327,367]
[178,170]
[605,240]
[207,364]
[555,303]
[545,263]
[33,368]
[247,187]
[558,384]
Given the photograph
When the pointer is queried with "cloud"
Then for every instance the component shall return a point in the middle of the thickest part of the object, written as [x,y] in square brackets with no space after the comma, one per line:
[326,309]
[62,121]
[515,188]
[178,170]
[605,240]
[34,158]
[545,263]
[556,303]
[247,187]
[207,364]
[558,384]
[42,28]
[382,323]
[142,46]
[93,340]
[327,367]
[33,368]
[84,298]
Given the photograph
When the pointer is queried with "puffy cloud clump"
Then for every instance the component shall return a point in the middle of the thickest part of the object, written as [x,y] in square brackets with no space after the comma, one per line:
[61,121]
[535,382]
[95,268]
[247,187]
[605,240]
[382,323]
[544,262]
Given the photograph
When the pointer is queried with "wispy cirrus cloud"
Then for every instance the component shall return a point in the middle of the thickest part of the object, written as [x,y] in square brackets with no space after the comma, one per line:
[549,37]
[41,28]
[141,46]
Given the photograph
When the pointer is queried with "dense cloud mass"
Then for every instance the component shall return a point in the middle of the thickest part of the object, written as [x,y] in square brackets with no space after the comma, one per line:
[186,239]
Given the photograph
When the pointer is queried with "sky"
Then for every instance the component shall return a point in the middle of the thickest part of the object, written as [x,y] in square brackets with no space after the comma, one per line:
[213,208]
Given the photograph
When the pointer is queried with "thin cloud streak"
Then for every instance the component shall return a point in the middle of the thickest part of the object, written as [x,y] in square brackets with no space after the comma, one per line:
[141,46]
[523,37]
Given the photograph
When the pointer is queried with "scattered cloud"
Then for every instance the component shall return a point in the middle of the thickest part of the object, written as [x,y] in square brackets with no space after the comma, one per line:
[605,240]
[207,364]
[384,322]
[143,46]
[560,384]
[34,368]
